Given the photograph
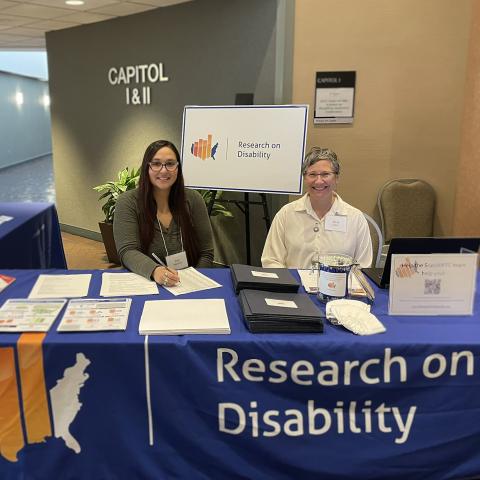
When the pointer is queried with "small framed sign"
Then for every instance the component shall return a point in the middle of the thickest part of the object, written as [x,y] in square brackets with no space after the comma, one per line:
[334,97]
[434,284]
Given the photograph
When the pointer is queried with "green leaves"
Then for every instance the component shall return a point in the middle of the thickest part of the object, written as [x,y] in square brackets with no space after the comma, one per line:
[127,180]
[218,208]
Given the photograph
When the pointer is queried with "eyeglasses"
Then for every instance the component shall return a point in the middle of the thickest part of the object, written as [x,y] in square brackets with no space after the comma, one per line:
[169,166]
[322,175]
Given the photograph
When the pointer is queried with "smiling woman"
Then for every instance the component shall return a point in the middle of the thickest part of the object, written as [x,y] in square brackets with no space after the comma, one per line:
[318,223]
[161,227]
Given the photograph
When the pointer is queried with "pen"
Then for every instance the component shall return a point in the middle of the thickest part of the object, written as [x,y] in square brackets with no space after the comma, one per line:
[158,260]
[161,263]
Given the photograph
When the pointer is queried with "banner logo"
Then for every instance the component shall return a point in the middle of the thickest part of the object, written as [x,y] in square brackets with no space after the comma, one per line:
[203,148]
[31,408]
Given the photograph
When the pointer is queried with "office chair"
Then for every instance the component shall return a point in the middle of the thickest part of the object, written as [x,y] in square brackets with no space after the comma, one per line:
[377,240]
[407,208]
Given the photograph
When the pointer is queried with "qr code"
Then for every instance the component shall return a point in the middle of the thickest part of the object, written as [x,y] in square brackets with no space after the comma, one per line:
[432,287]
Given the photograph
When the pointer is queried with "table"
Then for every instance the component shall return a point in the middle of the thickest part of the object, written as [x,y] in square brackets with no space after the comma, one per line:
[403,404]
[32,238]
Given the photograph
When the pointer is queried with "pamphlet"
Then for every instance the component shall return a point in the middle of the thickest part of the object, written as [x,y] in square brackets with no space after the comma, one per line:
[23,315]
[94,314]
[5,281]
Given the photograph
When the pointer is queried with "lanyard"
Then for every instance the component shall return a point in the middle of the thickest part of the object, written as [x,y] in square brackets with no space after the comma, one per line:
[163,238]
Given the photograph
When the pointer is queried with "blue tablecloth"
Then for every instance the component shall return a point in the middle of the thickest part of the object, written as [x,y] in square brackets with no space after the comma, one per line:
[403,404]
[32,238]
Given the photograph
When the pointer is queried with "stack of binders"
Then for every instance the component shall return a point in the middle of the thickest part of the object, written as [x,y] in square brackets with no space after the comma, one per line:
[280,312]
[257,278]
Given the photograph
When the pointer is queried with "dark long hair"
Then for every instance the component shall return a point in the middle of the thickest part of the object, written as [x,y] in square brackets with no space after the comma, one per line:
[147,206]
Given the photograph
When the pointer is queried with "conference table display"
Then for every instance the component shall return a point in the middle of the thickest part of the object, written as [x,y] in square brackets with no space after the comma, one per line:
[401,404]
[30,236]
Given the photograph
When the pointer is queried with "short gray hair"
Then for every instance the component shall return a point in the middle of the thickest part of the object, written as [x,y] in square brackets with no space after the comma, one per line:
[316,154]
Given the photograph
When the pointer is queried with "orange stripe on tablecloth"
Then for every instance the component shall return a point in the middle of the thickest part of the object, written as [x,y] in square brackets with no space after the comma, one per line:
[34,393]
[11,435]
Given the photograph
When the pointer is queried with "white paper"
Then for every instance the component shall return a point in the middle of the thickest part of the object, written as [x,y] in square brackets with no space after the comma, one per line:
[5,218]
[61,286]
[191,280]
[434,284]
[178,317]
[264,274]
[273,302]
[94,314]
[126,284]
[309,280]
[22,315]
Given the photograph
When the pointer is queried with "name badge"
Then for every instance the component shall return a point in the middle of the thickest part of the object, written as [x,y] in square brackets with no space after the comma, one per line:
[178,261]
[336,223]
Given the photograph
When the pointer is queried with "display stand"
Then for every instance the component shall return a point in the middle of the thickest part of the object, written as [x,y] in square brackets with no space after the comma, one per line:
[244,207]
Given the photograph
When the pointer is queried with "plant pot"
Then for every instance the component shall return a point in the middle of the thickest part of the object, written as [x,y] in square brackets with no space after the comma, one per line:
[106,229]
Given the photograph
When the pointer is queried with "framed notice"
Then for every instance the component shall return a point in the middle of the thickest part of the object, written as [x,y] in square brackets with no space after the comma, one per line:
[434,284]
[334,97]
[244,148]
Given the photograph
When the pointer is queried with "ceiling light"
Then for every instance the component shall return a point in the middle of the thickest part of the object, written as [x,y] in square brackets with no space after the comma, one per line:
[19,98]
[74,2]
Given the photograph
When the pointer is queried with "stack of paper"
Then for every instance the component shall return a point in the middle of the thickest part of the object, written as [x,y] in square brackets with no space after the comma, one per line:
[280,312]
[179,317]
[257,278]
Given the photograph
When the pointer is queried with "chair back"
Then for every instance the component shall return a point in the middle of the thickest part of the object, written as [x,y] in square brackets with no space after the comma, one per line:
[377,240]
[407,208]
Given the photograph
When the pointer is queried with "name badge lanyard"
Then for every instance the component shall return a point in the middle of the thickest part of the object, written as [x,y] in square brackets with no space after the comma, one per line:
[163,238]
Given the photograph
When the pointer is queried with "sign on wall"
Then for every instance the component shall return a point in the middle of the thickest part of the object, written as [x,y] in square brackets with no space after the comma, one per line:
[137,81]
[334,97]
[245,148]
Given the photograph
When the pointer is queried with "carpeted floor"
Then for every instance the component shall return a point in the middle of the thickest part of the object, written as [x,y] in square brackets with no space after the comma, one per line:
[83,253]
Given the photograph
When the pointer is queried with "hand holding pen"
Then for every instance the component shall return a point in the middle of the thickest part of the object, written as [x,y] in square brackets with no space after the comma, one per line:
[164,275]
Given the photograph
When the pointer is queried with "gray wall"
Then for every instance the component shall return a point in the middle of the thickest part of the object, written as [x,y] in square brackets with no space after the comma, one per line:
[211,50]
[25,129]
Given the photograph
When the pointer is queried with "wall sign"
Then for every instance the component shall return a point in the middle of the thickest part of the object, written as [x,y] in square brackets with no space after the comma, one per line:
[137,80]
[334,97]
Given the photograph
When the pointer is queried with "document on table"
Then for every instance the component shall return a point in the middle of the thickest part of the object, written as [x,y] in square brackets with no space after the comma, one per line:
[95,314]
[191,280]
[123,284]
[179,317]
[61,286]
[309,280]
[22,315]
[5,218]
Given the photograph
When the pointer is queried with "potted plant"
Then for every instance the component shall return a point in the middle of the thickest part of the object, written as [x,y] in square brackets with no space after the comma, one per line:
[127,180]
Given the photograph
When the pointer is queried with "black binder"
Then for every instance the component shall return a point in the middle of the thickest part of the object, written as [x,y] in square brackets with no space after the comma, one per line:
[258,278]
[262,317]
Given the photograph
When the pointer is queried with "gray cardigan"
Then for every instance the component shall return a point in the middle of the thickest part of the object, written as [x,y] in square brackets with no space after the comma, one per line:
[127,239]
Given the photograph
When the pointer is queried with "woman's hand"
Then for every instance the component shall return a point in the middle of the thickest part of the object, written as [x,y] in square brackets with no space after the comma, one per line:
[166,276]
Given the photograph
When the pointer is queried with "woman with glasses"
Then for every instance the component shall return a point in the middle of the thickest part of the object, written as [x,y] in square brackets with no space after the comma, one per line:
[161,227]
[318,223]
